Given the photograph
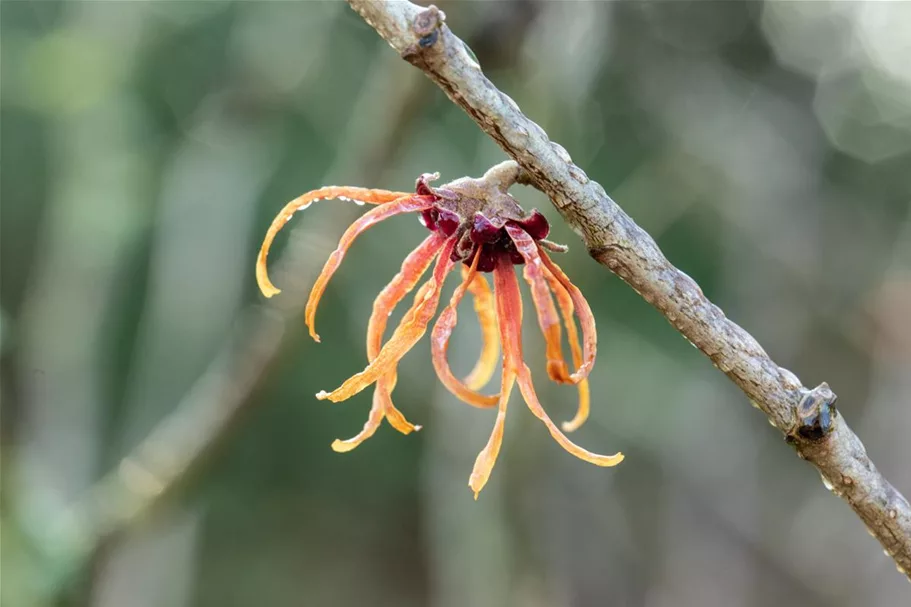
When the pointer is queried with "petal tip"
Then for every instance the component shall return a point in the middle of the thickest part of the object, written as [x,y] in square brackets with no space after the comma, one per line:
[472,484]
[575,423]
[262,278]
[612,460]
[340,446]
[476,484]
[322,395]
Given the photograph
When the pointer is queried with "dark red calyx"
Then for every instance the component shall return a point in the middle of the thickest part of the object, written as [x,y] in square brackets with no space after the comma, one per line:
[483,230]
[428,219]
[476,212]
[488,260]
[422,184]
[490,255]
[536,225]
[499,245]
[447,222]
[509,248]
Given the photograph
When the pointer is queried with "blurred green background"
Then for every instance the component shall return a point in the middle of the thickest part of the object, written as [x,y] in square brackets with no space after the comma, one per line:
[146,147]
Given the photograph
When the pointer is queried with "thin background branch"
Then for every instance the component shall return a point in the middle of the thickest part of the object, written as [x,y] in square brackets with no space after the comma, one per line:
[204,416]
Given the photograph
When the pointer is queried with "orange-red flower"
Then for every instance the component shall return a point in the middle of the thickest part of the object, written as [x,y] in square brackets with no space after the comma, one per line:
[475,222]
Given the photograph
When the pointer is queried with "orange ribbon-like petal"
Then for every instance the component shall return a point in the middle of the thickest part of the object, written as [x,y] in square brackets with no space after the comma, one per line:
[490,340]
[531,399]
[410,330]
[413,267]
[566,310]
[439,343]
[544,304]
[583,312]
[483,465]
[509,315]
[358,195]
[374,419]
[542,283]
[365,221]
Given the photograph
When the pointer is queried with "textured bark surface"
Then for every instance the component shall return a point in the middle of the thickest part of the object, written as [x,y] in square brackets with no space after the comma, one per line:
[806,417]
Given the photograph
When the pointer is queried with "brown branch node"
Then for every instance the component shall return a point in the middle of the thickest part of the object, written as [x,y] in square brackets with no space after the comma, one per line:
[816,414]
[426,27]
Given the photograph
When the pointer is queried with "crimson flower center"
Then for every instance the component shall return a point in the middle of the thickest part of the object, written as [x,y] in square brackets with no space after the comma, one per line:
[479,235]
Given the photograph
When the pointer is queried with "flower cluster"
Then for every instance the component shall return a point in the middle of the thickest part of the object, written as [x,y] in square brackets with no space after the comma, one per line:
[475,222]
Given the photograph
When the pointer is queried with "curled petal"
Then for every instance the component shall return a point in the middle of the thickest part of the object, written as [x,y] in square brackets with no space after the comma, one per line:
[509,306]
[382,407]
[383,392]
[490,341]
[382,395]
[582,411]
[374,419]
[410,330]
[531,399]
[358,195]
[483,465]
[566,310]
[586,319]
[395,417]
[365,221]
[382,402]
[439,343]
[544,304]
[413,267]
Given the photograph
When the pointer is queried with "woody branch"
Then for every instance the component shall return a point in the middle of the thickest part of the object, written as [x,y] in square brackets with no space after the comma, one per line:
[807,417]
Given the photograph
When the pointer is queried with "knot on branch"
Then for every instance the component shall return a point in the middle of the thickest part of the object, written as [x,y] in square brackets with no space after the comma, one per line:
[816,413]
[426,27]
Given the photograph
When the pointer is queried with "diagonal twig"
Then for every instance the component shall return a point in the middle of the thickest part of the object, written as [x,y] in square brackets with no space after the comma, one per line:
[807,417]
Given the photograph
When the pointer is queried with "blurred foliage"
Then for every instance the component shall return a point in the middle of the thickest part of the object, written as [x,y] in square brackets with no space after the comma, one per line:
[146,147]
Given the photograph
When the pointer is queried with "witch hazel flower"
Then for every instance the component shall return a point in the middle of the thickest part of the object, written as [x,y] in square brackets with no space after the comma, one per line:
[474,223]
